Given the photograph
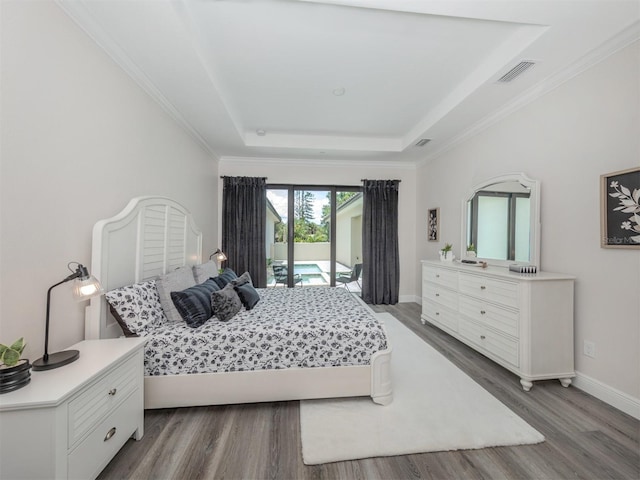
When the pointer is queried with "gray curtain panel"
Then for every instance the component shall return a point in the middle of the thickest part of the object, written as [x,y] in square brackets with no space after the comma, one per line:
[381,264]
[244,219]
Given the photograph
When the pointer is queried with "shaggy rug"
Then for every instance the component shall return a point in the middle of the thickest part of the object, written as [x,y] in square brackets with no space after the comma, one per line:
[435,407]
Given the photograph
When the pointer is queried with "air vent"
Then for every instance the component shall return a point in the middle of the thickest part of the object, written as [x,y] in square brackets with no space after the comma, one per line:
[423,142]
[516,72]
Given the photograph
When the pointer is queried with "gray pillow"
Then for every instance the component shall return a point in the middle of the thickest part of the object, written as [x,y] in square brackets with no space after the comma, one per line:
[175,281]
[205,271]
[225,303]
[242,279]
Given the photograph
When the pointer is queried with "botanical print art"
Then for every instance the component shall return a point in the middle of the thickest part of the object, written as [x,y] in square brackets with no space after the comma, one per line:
[621,209]
[432,224]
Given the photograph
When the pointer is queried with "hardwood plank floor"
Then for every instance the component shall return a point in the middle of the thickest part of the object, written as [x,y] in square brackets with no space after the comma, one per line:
[585,438]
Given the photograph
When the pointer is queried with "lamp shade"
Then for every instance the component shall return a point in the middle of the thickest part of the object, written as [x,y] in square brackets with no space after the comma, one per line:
[84,289]
[220,255]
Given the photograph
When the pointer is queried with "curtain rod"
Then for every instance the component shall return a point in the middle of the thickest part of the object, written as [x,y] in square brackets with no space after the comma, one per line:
[229,176]
[365,179]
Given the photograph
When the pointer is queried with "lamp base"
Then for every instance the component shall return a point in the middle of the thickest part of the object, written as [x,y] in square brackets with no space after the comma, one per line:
[55,360]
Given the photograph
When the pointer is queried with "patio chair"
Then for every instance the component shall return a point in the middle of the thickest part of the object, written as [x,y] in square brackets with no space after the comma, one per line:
[353,276]
[280,274]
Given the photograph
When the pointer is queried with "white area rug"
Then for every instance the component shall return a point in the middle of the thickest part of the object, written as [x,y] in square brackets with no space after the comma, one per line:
[435,407]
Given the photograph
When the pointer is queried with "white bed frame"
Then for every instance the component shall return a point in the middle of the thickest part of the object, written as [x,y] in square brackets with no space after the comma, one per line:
[154,235]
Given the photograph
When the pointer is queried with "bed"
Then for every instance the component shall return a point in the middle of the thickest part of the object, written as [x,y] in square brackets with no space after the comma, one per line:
[341,350]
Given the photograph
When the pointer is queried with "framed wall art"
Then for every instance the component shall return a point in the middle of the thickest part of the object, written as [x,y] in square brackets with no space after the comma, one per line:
[433,227]
[620,209]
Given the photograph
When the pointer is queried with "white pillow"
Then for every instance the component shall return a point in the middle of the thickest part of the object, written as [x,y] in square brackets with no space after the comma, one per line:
[175,281]
[205,271]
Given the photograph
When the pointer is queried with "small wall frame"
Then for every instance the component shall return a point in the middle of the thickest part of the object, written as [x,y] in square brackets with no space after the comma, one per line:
[433,224]
[620,209]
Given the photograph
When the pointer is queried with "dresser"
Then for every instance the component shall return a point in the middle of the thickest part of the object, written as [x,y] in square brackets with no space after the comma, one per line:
[523,322]
[69,422]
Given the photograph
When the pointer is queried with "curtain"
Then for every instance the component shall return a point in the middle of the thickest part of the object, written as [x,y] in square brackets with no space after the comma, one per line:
[381,265]
[244,219]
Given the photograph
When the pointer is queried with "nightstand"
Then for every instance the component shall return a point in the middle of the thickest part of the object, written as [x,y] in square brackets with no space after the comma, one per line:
[71,421]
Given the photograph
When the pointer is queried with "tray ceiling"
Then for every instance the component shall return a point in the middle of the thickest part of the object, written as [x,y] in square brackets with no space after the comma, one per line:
[362,80]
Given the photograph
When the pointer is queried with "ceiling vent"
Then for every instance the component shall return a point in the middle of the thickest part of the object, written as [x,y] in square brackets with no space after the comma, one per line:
[516,71]
[423,142]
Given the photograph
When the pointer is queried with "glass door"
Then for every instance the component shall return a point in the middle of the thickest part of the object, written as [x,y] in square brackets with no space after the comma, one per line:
[303,246]
[348,240]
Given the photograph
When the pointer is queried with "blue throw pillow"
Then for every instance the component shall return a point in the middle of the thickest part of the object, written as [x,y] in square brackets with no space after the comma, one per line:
[248,295]
[225,277]
[194,303]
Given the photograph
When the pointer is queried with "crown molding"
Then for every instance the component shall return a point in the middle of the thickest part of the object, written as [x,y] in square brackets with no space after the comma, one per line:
[625,38]
[305,162]
[77,12]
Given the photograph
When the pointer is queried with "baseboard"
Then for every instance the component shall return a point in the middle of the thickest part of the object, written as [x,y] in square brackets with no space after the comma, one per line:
[608,394]
[408,299]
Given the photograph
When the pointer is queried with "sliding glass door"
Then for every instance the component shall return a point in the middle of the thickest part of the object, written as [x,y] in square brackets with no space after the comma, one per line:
[301,243]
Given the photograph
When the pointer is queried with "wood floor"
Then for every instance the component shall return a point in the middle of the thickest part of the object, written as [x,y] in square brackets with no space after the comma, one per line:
[585,438]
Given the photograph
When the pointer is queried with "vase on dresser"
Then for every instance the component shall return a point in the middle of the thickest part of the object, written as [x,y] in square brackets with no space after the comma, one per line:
[15,377]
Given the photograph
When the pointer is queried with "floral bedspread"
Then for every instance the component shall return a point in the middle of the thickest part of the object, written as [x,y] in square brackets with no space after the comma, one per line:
[289,327]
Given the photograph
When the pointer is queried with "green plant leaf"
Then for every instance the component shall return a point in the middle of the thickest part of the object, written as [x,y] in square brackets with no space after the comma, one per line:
[10,357]
[3,348]
[18,345]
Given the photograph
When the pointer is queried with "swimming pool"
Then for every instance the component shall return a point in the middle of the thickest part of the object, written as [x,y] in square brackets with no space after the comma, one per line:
[307,268]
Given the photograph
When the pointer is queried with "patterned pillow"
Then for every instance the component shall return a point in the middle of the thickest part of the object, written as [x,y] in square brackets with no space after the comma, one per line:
[225,277]
[225,303]
[194,303]
[138,306]
[249,296]
[204,271]
[176,281]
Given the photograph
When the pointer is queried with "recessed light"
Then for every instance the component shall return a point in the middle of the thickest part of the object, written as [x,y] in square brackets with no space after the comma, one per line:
[338,92]
[261,133]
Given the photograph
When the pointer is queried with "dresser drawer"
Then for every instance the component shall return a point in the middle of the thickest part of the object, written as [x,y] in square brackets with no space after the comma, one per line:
[432,292]
[91,405]
[440,315]
[92,455]
[505,348]
[505,293]
[441,276]
[504,320]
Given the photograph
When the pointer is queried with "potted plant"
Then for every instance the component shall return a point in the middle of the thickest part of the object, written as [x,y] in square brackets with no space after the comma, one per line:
[446,253]
[15,372]
[471,250]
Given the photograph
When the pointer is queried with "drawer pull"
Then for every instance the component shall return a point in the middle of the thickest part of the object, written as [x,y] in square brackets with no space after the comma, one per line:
[437,313]
[437,276]
[110,434]
[482,312]
[112,392]
[437,294]
[482,287]
[482,337]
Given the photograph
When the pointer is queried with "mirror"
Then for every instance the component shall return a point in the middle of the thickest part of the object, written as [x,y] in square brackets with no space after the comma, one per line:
[501,218]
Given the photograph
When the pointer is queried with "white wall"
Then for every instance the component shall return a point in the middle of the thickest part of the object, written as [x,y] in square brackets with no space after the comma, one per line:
[346,174]
[79,139]
[566,139]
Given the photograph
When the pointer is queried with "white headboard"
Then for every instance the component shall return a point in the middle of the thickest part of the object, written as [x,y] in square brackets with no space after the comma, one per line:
[151,236]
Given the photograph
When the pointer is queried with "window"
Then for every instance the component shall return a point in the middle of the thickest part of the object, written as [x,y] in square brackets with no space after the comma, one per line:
[503,233]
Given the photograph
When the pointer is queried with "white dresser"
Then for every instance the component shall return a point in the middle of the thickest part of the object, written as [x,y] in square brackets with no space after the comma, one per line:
[71,421]
[523,322]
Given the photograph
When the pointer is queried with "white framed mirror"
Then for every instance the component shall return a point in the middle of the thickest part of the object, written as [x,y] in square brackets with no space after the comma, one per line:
[501,219]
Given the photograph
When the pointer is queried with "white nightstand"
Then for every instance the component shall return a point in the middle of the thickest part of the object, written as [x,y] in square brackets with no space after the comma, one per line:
[71,421]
